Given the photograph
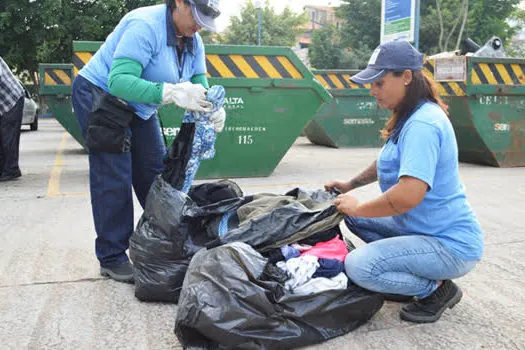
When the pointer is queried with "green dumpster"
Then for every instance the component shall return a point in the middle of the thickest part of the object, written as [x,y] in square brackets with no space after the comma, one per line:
[351,119]
[55,87]
[486,99]
[270,96]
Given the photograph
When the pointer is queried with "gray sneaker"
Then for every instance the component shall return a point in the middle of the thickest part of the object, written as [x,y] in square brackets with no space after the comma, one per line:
[121,272]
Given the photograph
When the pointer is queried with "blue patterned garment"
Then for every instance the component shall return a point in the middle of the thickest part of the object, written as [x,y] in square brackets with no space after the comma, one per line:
[223,225]
[204,140]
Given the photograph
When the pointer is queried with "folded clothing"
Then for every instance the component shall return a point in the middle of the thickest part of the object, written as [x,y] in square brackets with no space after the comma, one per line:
[329,268]
[334,249]
[301,270]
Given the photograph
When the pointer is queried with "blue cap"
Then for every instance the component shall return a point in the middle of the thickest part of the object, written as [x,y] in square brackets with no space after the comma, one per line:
[391,56]
[205,12]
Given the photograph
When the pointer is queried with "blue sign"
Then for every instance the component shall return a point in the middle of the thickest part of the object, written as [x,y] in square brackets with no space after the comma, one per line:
[397,9]
[398,19]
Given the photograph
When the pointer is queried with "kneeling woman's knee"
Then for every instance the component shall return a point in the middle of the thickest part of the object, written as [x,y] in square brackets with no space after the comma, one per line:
[359,267]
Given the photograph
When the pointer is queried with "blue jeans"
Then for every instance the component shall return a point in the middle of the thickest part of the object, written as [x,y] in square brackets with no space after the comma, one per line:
[10,124]
[112,176]
[395,263]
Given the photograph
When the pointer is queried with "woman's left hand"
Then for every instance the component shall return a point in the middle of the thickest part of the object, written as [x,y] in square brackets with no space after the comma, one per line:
[346,204]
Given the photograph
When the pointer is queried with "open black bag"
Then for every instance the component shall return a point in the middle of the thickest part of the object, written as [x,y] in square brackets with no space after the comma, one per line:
[167,235]
[227,302]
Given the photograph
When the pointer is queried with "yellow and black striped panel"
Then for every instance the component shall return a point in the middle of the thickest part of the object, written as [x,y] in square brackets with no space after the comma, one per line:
[56,76]
[251,66]
[451,88]
[230,66]
[338,81]
[80,59]
[498,73]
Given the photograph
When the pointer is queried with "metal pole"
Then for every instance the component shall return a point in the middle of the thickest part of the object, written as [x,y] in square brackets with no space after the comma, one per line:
[416,24]
[259,27]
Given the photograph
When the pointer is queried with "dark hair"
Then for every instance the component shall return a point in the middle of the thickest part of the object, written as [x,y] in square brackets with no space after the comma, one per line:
[172,5]
[422,87]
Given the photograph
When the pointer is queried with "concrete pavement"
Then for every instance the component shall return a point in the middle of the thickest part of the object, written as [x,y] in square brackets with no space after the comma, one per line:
[52,297]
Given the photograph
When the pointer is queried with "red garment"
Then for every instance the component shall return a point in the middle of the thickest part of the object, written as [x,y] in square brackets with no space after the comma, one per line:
[334,249]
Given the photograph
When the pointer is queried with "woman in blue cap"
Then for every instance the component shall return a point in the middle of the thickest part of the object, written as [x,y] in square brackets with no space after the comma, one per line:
[421,232]
[154,56]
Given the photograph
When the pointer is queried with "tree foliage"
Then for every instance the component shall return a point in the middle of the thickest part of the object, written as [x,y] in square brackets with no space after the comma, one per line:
[517,48]
[361,29]
[361,22]
[39,31]
[277,29]
[327,51]
[485,19]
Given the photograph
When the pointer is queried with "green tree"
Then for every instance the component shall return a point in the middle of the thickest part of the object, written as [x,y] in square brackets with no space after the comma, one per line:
[360,32]
[442,26]
[38,31]
[361,23]
[357,58]
[441,23]
[276,30]
[325,52]
[484,20]
[488,18]
[23,27]
[517,49]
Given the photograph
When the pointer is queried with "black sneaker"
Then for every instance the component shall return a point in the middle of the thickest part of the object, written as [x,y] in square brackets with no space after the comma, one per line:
[429,310]
[121,273]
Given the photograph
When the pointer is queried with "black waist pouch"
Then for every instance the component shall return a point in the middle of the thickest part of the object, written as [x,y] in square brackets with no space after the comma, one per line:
[108,121]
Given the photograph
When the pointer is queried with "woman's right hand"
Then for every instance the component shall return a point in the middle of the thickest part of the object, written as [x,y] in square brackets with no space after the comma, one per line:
[191,97]
[342,186]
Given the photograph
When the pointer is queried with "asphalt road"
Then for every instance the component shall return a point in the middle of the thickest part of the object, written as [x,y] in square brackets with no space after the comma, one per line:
[52,297]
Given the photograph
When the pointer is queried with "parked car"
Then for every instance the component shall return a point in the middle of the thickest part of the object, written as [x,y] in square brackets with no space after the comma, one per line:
[30,116]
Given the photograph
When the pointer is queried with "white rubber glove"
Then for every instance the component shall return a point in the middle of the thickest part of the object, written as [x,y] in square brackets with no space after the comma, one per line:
[191,97]
[218,117]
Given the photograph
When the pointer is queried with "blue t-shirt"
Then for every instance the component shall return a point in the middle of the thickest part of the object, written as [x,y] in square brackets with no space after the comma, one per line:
[147,36]
[427,150]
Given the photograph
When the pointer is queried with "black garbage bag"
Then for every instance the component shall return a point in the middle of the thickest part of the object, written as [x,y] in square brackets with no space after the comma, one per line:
[227,303]
[272,221]
[168,235]
[178,156]
[171,230]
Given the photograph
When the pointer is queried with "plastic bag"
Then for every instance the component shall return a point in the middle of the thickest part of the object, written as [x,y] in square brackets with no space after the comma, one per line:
[227,302]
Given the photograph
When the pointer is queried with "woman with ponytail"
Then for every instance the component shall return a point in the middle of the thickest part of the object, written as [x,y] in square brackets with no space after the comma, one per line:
[421,232]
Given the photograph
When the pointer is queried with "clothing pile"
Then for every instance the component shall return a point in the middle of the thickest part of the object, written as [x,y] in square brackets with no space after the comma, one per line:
[314,268]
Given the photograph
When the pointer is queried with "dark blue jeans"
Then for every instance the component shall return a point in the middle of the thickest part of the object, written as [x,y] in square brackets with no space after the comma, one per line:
[10,124]
[112,176]
[393,262]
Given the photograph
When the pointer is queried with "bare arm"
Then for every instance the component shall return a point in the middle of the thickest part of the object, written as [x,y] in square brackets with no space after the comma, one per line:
[399,199]
[366,177]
